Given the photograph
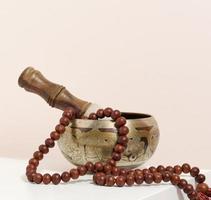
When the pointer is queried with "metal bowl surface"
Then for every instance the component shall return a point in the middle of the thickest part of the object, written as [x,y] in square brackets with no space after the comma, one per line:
[93,140]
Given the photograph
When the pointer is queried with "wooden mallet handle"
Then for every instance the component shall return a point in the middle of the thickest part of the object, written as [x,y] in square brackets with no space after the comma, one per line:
[54,94]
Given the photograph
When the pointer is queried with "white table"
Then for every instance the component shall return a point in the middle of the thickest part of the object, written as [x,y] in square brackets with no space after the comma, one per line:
[13,185]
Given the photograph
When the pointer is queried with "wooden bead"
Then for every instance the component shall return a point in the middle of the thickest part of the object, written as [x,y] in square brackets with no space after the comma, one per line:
[70,114]
[30,177]
[54,135]
[123,172]
[177,169]
[93,116]
[188,189]
[34,162]
[96,176]
[74,174]
[89,166]
[115,114]
[123,130]
[200,178]
[130,180]
[65,176]
[30,171]
[110,181]
[148,178]
[115,171]
[64,121]
[100,113]
[194,171]
[202,196]
[152,169]
[119,148]
[202,187]
[120,181]
[123,140]
[146,171]
[175,179]
[157,177]
[60,128]
[160,168]
[46,179]
[49,143]
[121,121]
[138,171]
[182,183]
[166,176]
[38,155]
[101,180]
[30,167]
[192,195]
[111,162]
[170,169]
[82,170]
[107,169]
[98,166]
[208,193]
[56,178]
[37,178]
[44,149]
[139,178]
[116,156]
[131,172]
[186,168]
[70,110]
[108,111]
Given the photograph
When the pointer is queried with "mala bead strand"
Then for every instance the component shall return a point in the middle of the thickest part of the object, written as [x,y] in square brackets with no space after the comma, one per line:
[108,174]
[151,175]
[67,117]
[44,149]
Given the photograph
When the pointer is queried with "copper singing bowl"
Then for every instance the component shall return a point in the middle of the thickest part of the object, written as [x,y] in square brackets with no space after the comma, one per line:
[93,140]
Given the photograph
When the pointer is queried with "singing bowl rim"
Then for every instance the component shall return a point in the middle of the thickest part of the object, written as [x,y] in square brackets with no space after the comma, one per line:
[133,120]
[130,116]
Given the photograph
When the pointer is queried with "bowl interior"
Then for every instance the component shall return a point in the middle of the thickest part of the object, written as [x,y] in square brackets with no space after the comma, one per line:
[130,115]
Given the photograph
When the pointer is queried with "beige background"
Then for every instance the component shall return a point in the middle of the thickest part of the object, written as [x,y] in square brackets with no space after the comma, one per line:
[144,56]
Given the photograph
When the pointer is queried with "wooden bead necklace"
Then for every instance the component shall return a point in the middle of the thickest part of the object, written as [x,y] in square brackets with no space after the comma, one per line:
[108,174]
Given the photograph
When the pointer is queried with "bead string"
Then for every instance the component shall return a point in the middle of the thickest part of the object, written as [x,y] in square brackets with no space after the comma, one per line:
[108,174]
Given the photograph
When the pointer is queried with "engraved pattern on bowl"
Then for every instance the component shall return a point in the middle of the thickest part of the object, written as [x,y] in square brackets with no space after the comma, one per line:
[93,140]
